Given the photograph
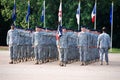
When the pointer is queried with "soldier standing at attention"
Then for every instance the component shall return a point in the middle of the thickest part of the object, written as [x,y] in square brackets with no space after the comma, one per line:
[12,41]
[36,44]
[83,45]
[103,44]
[63,45]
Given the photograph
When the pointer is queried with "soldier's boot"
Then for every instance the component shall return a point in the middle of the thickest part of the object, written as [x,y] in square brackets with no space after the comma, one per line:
[68,62]
[85,63]
[107,63]
[64,64]
[41,61]
[26,59]
[61,63]
[36,62]
[82,63]
[101,63]
[19,60]
[11,62]
[22,60]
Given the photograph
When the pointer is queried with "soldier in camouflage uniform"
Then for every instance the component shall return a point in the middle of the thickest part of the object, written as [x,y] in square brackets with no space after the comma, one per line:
[104,45]
[63,45]
[12,40]
[83,45]
[36,43]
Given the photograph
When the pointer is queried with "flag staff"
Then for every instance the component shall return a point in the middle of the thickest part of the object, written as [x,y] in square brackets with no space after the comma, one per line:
[15,13]
[28,18]
[61,12]
[79,15]
[44,14]
[95,14]
[112,25]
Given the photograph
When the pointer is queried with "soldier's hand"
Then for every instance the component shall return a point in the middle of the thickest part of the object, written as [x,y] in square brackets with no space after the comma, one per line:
[98,47]
[58,46]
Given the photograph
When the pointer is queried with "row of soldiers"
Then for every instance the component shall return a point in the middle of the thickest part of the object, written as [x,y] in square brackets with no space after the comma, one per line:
[40,45]
[80,46]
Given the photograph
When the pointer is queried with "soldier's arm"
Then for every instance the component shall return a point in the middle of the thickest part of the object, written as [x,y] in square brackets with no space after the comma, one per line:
[78,40]
[33,39]
[98,42]
[109,42]
[7,39]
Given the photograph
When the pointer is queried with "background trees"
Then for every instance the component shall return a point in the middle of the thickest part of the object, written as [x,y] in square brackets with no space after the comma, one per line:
[69,15]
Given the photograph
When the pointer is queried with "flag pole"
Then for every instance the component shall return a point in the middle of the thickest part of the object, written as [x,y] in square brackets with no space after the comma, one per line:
[14,20]
[28,18]
[44,14]
[61,9]
[79,16]
[112,25]
[95,14]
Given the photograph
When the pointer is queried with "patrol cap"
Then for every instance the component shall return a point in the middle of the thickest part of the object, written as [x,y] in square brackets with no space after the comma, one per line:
[12,25]
[83,27]
[63,27]
[104,29]
[38,27]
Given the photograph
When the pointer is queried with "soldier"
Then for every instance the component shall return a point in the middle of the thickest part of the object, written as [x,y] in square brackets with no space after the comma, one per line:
[103,44]
[35,43]
[63,45]
[83,45]
[12,41]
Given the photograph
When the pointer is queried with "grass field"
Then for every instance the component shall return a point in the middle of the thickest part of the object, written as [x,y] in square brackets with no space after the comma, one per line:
[114,50]
[3,48]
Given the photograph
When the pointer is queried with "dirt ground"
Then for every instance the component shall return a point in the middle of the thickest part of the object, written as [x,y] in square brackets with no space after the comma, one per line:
[52,71]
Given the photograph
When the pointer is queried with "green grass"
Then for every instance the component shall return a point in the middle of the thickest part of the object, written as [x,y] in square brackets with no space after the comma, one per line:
[114,50]
[3,48]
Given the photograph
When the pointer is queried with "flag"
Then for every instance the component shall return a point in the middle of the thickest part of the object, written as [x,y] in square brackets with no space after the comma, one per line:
[14,12]
[28,12]
[43,13]
[59,31]
[78,14]
[111,15]
[60,12]
[93,14]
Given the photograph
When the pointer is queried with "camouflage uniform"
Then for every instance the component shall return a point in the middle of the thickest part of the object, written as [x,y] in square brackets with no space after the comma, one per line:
[103,44]
[83,46]
[12,41]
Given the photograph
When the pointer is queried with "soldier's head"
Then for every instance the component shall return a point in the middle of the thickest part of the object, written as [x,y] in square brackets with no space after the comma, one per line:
[83,28]
[37,29]
[64,29]
[12,26]
[104,29]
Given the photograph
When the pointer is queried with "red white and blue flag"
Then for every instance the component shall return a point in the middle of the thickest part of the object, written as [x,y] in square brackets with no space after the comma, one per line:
[93,14]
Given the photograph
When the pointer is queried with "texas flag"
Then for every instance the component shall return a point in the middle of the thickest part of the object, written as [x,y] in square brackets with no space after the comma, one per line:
[93,14]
